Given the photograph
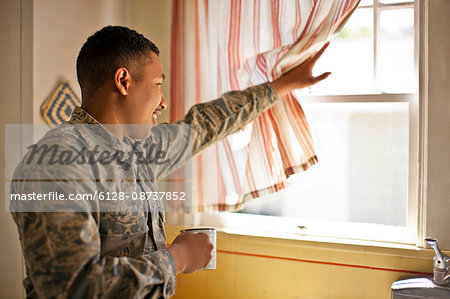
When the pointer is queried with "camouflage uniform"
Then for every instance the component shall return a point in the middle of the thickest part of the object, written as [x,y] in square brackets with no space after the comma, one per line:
[116,254]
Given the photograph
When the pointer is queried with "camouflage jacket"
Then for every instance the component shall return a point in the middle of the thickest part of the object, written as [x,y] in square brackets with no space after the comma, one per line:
[121,252]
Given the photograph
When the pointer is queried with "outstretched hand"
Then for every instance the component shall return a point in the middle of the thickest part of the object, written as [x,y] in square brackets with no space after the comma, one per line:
[300,76]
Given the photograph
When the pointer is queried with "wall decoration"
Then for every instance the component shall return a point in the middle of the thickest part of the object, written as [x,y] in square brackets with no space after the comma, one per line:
[59,106]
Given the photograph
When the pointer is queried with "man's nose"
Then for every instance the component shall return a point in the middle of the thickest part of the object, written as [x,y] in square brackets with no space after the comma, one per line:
[163,104]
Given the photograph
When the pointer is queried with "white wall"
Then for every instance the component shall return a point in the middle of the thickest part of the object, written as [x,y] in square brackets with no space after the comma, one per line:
[39,44]
[10,112]
[437,121]
[60,28]
[153,18]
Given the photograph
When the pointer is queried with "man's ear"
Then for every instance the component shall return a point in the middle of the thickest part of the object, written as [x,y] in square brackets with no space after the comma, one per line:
[122,80]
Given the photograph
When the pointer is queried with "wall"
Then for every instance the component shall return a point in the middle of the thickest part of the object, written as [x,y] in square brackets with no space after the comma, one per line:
[41,40]
[11,53]
[268,268]
[437,121]
[153,19]
[40,43]
[60,28]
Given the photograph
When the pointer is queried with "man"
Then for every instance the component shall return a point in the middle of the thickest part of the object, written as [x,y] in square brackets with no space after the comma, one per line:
[117,249]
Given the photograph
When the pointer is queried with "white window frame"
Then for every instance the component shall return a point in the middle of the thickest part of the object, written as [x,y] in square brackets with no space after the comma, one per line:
[338,232]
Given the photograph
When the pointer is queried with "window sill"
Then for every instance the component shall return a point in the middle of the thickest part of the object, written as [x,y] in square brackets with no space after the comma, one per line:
[230,225]
[318,241]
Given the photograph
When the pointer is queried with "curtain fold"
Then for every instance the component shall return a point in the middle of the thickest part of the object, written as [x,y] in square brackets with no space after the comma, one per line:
[223,45]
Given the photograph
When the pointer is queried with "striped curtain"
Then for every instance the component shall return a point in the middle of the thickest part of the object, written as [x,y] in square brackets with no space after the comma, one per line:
[223,45]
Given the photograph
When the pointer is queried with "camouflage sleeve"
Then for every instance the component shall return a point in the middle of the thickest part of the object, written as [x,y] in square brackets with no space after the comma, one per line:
[205,124]
[214,120]
[62,250]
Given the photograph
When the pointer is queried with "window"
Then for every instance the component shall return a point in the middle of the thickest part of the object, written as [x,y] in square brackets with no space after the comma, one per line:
[364,124]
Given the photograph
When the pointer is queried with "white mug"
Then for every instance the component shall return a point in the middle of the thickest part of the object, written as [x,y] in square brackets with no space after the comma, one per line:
[211,232]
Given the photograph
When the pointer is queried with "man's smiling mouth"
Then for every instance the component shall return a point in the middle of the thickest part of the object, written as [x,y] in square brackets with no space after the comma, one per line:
[155,115]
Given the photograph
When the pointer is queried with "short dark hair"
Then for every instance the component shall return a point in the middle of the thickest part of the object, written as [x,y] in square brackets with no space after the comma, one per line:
[107,50]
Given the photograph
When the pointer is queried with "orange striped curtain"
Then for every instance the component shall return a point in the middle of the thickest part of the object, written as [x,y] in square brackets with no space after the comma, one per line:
[223,45]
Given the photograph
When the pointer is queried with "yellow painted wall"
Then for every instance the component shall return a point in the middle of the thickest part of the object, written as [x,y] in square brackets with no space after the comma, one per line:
[243,276]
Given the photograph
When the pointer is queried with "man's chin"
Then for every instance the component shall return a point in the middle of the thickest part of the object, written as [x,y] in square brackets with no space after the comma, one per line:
[154,119]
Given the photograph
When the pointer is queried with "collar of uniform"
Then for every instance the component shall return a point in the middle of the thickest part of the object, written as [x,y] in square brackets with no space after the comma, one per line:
[94,132]
[80,116]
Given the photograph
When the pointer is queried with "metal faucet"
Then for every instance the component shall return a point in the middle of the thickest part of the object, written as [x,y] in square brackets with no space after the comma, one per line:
[441,264]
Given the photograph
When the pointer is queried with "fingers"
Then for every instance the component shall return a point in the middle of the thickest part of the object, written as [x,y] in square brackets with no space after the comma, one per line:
[319,53]
[321,77]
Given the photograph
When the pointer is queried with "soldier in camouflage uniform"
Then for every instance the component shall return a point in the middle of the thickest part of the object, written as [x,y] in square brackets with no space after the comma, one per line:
[118,249]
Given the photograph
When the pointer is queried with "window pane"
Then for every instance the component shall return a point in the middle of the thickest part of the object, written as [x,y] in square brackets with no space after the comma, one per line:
[349,57]
[396,62]
[362,172]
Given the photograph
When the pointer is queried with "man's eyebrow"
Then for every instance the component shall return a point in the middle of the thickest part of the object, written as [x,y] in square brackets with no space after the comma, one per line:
[163,76]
